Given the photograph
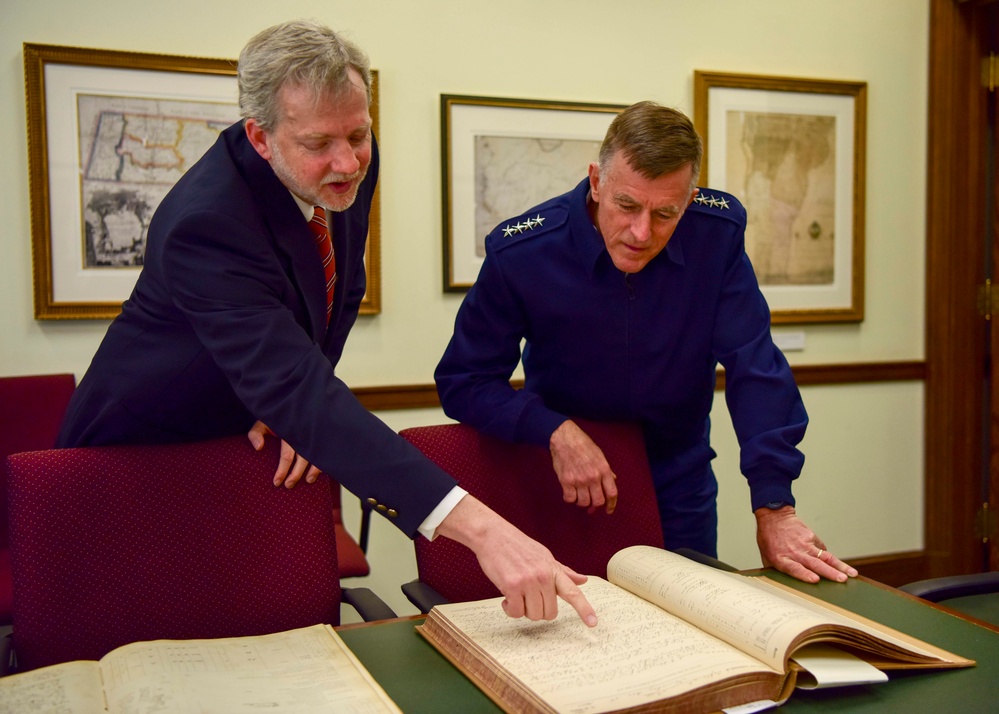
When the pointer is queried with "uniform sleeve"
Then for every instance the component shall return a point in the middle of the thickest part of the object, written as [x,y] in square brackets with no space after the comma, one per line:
[473,376]
[766,407]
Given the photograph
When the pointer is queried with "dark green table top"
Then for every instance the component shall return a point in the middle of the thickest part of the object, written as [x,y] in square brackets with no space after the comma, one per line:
[983,607]
[975,689]
[419,679]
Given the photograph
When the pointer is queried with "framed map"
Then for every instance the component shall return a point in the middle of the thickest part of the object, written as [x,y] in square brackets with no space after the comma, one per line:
[109,133]
[499,157]
[793,151]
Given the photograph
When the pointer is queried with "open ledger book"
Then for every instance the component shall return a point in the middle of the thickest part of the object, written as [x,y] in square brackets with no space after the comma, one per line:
[672,634]
[304,670]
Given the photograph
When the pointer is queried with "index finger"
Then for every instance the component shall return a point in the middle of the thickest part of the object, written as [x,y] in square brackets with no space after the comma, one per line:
[285,461]
[610,491]
[569,591]
[799,570]
[837,565]
[297,471]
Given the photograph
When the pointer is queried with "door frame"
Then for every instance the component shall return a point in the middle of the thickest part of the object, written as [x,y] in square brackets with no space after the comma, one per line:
[955,255]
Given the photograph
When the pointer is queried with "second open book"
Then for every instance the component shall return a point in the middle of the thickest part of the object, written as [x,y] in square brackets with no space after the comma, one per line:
[671,633]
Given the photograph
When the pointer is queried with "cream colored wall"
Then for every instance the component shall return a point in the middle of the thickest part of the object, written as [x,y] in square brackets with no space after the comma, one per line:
[864,444]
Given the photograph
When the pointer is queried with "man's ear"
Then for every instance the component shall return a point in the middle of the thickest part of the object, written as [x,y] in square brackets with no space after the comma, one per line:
[258,138]
[594,173]
[693,195]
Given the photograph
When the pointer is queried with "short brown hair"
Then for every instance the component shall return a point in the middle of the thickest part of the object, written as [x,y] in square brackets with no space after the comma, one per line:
[654,140]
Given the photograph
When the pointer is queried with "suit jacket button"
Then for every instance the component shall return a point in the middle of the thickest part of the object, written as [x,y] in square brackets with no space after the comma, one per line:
[381,507]
[392,513]
[372,502]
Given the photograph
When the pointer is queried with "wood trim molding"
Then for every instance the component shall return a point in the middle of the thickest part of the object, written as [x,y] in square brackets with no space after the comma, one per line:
[409,396]
[894,568]
[424,396]
[852,373]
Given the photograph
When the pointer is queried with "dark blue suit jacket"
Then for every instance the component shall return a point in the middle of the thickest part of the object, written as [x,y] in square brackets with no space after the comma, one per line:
[227,324]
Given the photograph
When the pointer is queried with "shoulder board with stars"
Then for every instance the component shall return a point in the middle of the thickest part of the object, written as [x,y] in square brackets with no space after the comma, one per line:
[718,203]
[523,225]
[711,200]
[533,223]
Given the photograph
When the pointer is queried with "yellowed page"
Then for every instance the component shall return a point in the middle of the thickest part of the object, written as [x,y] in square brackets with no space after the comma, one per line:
[890,639]
[69,688]
[303,670]
[754,618]
[636,654]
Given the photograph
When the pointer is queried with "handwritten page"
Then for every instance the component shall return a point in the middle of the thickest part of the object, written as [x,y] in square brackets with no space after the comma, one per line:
[892,641]
[753,614]
[70,688]
[297,671]
[758,622]
[584,670]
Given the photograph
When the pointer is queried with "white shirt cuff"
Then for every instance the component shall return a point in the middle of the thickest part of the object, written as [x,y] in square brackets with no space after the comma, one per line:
[428,529]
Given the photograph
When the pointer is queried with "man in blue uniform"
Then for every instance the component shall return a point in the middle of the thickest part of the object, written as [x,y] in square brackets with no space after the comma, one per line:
[628,291]
[241,312]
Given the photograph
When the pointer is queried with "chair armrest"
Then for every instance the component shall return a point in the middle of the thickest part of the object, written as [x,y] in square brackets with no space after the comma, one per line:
[945,588]
[368,605]
[362,540]
[699,557]
[423,596]
[6,655]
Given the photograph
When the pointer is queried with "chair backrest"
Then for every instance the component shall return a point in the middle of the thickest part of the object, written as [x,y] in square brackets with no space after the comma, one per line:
[31,411]
[974,594]
[954,586]
[518,481]
[116,544]
[351,555]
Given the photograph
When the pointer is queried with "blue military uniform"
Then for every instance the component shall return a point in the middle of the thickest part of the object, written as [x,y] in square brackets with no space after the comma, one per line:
[644,347]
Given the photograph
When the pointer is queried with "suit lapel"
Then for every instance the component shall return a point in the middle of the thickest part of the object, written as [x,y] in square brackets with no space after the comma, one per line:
[292,236]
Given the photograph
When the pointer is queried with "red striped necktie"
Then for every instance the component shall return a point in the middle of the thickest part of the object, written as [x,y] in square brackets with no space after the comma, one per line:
[325,246]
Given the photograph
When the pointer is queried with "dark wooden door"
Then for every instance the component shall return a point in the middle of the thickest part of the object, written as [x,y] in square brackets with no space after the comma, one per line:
[962,307]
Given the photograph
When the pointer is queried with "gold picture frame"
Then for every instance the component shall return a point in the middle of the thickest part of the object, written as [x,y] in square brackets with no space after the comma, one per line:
[70,92]
[794,152]
[485,141]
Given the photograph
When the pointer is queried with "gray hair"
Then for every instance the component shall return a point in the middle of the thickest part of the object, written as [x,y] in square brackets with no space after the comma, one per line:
[654,140]
[299,52]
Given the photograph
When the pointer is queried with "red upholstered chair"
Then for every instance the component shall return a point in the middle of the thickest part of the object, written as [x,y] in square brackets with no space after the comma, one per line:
[518,482]
[351,554]
[117,544]
[31,410]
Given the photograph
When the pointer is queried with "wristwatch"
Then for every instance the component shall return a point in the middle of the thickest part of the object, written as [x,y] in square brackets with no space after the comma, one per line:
[775,505]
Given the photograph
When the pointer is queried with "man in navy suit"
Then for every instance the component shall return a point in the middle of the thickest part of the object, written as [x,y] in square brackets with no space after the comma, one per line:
[229,330]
